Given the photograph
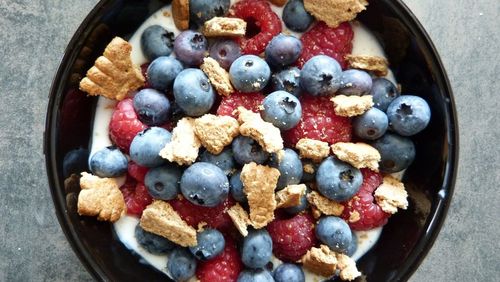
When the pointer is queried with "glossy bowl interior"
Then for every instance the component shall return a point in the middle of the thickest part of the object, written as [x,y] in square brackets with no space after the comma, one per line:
[405,240]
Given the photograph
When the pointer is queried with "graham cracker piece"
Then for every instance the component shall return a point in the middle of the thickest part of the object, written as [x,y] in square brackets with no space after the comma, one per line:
[377,65]
[218,76]
[354,216]
[347,267]
[180,13]
[290,196]
[279,3]
[184,145]
[100,197]
[321,261]
[259,182]
[222,26]
[350,106]
[391,195]
[161,219]
[324,205]
[359,155]
[313,149]
[216,132]
[309,168]
[240,218]
[335,12]
[265,133]
[113,75]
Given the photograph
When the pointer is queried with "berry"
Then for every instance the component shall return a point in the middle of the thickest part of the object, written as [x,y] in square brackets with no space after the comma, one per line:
[282,109]
[163,181]
[249,73]
[156,42]
[257,248]
[293,237]
[334,232]
[151,106]
[190,47]
[324,40]
[247,150]
[210,244]
[204,184]
[396,152]
[136,197]
[290,168]
[151,242]
[383,92]
[201,11]
[353,247]
[124,124]
[338,180]
[370,125]
[355,82]
[75,161]
[162,72]
[225,51]
[193,92]
[250,101]
[224,160]
[146,146]
[181,264]
[289,272]
[296,17]
[321,76]
[283,50]
[287,80]
[408,115]
[255,275]
[236,188]
[137,172]
[108,162]
[223,268]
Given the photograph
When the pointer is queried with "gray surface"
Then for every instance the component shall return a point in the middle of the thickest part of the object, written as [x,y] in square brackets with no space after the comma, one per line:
[33,35]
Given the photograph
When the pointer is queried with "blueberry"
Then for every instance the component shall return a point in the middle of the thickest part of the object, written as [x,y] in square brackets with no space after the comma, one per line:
[162,72]
[257,248]
[224,160]
[287,80]
[236,188]
[255,275]
[337,180]
[181,264]
[321,76]
[247,150]
[210,244]
[147,144]
[151,242]
[204,184]
[152,107]
[408,115]
[289,272]
[283,50]
[310,169]
[75,161]
[249,73]
[190,47]
[156,42]
[355,82]
[396,152]
[193,92]
[383,92]
[282,109]
[201,11]
[296,17]
[108,162]
[163,182]
[290,168]
[370,125]
[334,232]
[353,246]
[225,51]
[301,207]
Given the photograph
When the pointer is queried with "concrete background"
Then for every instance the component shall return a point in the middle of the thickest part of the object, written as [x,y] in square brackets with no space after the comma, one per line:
[34,33]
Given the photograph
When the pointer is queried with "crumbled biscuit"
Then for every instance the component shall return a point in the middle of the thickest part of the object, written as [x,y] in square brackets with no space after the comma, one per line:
[240,218]
[309,168]
[347,267]
[216,132]
[321,261]
[221,26]
[335,12]
[359,155]
[391,195]
[113,75]
[349,106]
[161,219]
[201,226]
[100,197]
[377,65]
[218,76]
[316,213]
[290,196]
[180,13]
[278,2]
[259,182]
[324,205]
[184,145]
[265,133]
[354,216]
[313,149]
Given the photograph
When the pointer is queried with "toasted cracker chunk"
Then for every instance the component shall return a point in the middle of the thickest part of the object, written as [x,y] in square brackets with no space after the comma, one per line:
[218,76]
[240,218]
[321,261]
[216,132]
[313,149]
[335,12]
[377,65]
[259,182]
[265,133]
[180,13]
[290,196]
[359,155]
[347,267]
[221,26]
[309,168]
[161,219]
[350,106]
[391,195]
[324,205]
[100,197]
[184,145]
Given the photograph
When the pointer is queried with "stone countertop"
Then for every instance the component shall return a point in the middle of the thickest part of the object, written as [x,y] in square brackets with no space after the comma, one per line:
[33,35]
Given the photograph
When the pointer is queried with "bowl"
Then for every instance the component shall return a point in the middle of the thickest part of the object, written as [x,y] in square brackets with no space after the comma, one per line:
[405,240]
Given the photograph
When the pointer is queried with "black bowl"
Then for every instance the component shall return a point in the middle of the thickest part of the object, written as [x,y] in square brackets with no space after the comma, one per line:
[405,240]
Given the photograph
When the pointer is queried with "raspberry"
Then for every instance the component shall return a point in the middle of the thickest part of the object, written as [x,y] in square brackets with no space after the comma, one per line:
[136,196]
[224,268]
[260,17]
[251,101]
[124,124]
[371,215]
[137,172]
[324,40]
[319,122]
[293,237]
[144,71]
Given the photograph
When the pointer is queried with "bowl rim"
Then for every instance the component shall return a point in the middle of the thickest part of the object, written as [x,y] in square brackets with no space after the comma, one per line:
[430,231]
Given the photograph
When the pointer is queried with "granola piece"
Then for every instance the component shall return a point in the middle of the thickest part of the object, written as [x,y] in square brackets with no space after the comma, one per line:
[259,182]
[309,168]
[321,261]
[354,216]
[184,145]
[221,26]
[161,219]
[290,196]
[349,106]
[377,65]
[315,212]
[100,197]
[265,133]
[216,132]
[391,195]
[113,75]
[180,13]
[347,267]
[218,76]
[313,149]
[240,218]
[335,12]
[324,205]
[359,155]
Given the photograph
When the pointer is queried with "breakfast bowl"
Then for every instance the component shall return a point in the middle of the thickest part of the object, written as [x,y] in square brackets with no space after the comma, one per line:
[429,181]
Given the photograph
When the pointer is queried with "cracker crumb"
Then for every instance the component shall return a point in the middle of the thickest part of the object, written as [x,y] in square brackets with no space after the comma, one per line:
[359,155]
[335,12]
[324,205]
[180,12]
[349,106]
[184,145]
[201,226]
[240,218]
[216,132]
[321,261]
[391,195]
[265,133]
[347,267]
[377,65]
[354,216]
[308,168]
[221,26]
[290,196]
[218,76]
[167,14]
[316,213]
[313,149]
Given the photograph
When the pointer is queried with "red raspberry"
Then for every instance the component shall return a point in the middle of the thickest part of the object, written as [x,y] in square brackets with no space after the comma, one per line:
[144,71]
[324,40]
[137,172]
[224,268]
[250,101]
[257,13]
[124,124]
[293,237]
[319,122]
[371,215]
[136,197]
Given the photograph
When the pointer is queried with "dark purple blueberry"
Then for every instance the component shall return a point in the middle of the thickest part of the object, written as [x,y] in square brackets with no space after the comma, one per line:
[370,125]
[156,42]
[396,152]
[181,264]
[151,106]
[249,73]
[204,184]
[283,50]
[153,243]
[257,248]
[282,109]
[236,188]
[190,47]
[288,272]
[408,115]
[162,72]
[225,51]
[224,160]
[147,144]
[383,92]
[210,243]
[163,181]
[290,168]
[247,150]
[334,232]
[321,76]
[193,92]
[108,162]
[287,80]
[201,11]
[355,82]
[296,17]
[338,180]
